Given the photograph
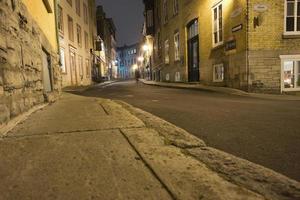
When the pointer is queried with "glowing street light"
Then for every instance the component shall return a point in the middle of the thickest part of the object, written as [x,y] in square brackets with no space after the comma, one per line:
[146,47]
[134,67]
[141,59]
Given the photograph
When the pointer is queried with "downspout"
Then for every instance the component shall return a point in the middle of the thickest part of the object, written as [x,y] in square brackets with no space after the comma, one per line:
[57,36]
[247,46]
[56,30]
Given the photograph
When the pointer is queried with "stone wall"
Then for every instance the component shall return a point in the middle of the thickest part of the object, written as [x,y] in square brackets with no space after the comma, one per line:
[266,43]
[21,67]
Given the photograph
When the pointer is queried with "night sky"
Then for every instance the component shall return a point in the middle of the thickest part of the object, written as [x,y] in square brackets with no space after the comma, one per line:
[128,18]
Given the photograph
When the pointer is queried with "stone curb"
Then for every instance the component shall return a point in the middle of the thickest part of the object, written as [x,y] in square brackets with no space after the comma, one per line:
[253,177]
[230,91]
[4,129]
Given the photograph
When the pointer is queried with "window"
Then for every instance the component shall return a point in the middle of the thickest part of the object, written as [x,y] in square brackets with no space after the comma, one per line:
[292,17]
[149,18]
[167,57]
[165,11]
[70,2]
[78,7]
[70,29]
[85,13]
[62,60]
[193,29]
[218,73]
[217,24]
[80,63]
[290,73]
[79,39]
[87,68]
[60,22]
[86,40]
[175,7]
[176,46]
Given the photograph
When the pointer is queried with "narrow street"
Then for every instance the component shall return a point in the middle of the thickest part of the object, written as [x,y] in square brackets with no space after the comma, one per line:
[265,132]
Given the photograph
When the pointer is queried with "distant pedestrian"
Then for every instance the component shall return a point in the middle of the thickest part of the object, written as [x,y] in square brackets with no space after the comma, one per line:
[137,75]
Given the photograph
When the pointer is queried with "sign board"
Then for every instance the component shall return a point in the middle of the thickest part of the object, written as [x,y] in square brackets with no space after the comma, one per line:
[236,12]
[230,45]
[237,28]
[260,7]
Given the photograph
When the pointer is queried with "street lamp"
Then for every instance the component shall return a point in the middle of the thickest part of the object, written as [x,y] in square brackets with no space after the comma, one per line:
[146,47]
[141,59]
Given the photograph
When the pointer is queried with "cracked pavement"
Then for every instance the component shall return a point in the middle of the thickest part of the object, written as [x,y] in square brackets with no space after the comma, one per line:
[91,148]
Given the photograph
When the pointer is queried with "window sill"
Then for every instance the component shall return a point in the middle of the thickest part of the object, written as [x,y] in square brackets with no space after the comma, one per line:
[291,36]
[218,46]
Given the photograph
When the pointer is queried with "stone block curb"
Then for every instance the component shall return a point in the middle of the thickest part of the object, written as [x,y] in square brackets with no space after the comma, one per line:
[5,128]
[224,90]
[237,171]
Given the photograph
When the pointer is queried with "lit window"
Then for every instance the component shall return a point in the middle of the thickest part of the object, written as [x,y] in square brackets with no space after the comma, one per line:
[290,73]
[292,16]
[176,46]
[175,7]
[167,57]
[218,24]
[218,74]
[87,68]
[62,60]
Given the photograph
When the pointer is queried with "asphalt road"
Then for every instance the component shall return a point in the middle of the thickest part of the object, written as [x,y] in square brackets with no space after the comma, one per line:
[266,132]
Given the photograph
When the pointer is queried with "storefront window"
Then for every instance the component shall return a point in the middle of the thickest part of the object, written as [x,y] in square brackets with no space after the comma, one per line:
[291,74]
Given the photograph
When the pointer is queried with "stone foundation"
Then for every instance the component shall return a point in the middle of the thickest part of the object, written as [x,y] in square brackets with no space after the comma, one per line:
[21,47]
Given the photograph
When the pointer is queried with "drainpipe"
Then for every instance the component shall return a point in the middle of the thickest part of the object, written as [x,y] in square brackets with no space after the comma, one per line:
[247,46]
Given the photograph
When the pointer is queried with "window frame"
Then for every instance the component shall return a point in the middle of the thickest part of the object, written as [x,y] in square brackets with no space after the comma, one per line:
[165,12]
[217,6]
[79,35]
[63,62]
[60,20]
[284,58]
[175,7]
[78,7]
[295,32]
[167,52]
[70,2]
[215,80]
[177,47]
[85,13]
[71,29]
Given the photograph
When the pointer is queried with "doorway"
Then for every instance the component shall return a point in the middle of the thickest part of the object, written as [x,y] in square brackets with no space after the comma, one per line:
[74,80]
[47,72]
[193,51]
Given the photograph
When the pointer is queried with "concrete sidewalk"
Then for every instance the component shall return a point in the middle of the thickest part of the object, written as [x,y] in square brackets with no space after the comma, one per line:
[90,148]
[224,90]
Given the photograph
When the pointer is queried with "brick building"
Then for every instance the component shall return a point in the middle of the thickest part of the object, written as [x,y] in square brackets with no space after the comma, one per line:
[29,61]
[253,45]
[77,35]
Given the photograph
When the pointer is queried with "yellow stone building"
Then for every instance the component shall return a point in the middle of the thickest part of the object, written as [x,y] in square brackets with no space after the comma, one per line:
[29,59]
[253,45]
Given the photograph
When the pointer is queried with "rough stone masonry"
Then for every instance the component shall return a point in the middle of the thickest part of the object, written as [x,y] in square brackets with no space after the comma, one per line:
[21,47]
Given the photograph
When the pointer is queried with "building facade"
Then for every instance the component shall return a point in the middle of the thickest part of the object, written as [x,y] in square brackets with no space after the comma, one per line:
[106,32]
[253,45]
[29,61]
[127,59]
[77,29]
